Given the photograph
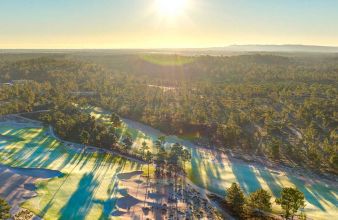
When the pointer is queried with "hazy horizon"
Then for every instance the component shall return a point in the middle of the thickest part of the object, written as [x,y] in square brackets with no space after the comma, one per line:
[226,47]
[161,24]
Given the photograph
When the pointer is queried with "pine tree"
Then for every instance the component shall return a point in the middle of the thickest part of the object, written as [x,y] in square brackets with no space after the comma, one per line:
[291,201]
[235,198]
[260,200]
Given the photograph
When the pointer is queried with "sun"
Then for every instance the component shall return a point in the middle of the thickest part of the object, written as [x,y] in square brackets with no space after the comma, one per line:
[171,8]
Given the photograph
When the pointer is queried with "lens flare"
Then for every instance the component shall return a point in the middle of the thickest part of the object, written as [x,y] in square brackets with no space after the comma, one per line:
[171,8]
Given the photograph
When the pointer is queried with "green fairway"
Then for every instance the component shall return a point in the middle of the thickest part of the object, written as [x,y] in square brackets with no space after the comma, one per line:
[89,184]
[215,172]
[87,190]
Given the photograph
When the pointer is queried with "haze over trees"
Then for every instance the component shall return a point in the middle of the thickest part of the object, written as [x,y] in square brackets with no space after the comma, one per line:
[282,108]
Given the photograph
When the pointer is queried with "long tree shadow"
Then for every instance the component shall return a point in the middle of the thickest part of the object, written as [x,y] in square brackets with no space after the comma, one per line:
[214,167]
[51,201]
[101,160]
[42,151]
[80,203]
[109,204]
[40,156]
[275,188]
[246,177]
[22,156]
[195,173]
[32,152]
[71,158]
[214,182]
[326,193]
[308,195]
[46,156]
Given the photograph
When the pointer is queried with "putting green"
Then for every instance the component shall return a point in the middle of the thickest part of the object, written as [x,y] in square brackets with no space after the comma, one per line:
[215,172]
[87,190]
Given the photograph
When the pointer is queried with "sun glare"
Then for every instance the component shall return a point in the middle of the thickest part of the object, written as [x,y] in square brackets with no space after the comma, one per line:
[171,8]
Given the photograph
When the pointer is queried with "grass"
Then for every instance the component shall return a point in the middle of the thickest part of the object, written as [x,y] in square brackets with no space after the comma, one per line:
[321,200]
[96,173]
[88,189]
[214,173]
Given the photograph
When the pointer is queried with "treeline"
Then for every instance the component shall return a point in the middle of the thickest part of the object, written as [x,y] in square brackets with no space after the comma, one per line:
[295,122]
[258,204]
[24,96]
[71,124]
[283,109]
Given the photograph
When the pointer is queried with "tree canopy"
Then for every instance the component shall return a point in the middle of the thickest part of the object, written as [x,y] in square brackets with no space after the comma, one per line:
[291,201]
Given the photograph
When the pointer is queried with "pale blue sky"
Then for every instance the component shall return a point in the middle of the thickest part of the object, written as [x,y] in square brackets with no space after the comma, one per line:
[140,24]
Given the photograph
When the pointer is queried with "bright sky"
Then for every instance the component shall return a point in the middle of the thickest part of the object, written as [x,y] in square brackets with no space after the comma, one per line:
[166,23]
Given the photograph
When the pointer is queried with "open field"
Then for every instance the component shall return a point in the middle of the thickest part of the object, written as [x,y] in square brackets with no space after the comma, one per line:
[215,171]
[88,189]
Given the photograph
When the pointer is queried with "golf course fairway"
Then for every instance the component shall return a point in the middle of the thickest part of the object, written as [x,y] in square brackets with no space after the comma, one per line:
[215,171]
[88,188]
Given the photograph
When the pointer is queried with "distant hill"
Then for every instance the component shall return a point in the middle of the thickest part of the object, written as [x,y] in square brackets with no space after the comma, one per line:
[233,50]
[280,48]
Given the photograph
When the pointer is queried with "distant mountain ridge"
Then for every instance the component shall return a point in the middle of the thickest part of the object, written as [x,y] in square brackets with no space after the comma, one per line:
[232,49]
[282,48]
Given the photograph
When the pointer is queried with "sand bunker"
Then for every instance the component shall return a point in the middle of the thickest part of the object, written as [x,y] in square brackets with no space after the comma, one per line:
[127,176]
[156,196]
[127,202]
[17,184]
[35,172]
[118,213]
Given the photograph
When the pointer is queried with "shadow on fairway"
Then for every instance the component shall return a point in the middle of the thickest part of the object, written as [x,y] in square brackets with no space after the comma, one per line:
[325,193]
[246,177]
[309,196]
[80,203]
[270,180]
[195,174]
